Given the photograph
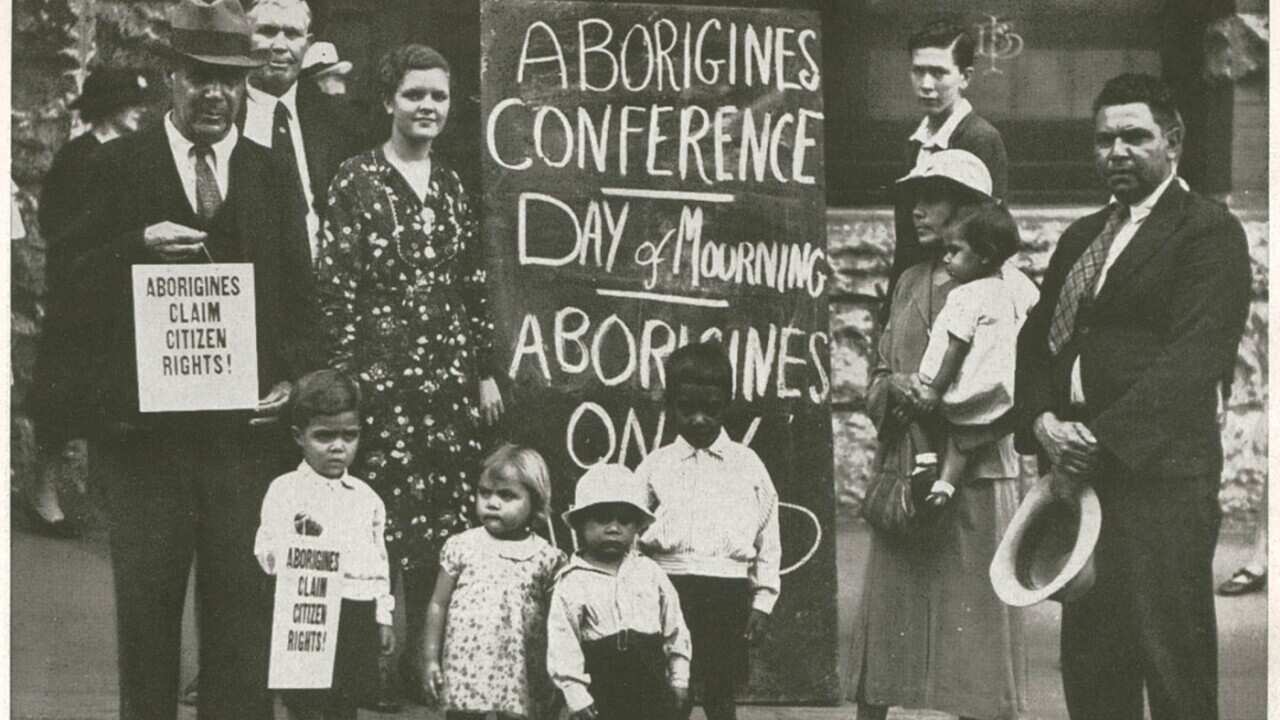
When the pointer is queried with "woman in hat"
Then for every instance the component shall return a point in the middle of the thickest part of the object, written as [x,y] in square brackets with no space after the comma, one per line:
[932,633]
[402,283]
[111,105]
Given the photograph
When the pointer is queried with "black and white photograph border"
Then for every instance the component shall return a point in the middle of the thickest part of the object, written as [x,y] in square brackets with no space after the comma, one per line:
[1035,72]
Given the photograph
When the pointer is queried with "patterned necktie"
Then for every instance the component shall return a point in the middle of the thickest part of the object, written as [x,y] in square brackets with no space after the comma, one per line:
[208,196]
[1082,278]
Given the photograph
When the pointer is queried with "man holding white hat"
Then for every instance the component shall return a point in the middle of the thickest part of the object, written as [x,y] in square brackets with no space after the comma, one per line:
[1118,380]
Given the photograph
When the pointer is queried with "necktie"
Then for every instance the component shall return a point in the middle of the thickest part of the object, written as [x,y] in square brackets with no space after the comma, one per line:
[1082,278]
[208,196]
[282,148]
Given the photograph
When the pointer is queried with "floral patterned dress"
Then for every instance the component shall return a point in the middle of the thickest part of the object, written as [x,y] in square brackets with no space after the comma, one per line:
[495,642]
[402,284]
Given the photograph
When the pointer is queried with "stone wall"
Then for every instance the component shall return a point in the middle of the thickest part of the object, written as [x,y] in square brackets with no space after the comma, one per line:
[861,245]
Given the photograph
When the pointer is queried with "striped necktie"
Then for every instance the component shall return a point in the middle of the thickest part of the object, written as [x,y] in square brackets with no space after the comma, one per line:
[1082,278]
[208,196]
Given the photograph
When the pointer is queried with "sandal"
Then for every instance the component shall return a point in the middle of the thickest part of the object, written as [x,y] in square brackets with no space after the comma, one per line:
[1243,582]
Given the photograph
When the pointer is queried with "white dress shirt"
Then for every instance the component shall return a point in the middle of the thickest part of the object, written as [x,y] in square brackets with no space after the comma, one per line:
[349,513]
[1138,213]
[932,142]
[716,515]
[259,120]
[184,157]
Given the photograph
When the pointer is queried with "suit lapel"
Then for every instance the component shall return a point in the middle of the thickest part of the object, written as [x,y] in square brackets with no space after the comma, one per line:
[313,146]
[1151,236]
[160,175]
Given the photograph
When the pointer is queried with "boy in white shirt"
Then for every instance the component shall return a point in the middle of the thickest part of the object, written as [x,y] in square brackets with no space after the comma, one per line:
[320,499]
[715,531]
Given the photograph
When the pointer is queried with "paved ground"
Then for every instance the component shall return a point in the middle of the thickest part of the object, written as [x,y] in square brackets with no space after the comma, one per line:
[63,638]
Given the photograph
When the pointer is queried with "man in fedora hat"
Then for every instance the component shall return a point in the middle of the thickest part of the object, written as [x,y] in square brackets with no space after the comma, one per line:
[308,132]
[189,484]
[1118,375]
[323,68]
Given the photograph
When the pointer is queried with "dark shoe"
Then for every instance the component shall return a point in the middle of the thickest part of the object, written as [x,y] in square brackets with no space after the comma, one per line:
[384,702]
[191,696]
[1243,582]
[63,529]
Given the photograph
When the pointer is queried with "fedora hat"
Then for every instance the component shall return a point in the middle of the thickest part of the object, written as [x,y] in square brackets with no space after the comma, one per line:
[214,32]
[607,483]
[109,89]
[322,59]
[1047,551]
[959,170]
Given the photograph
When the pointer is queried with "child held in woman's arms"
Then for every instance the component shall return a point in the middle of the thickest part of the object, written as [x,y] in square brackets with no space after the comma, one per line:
[715,531]
[618,647]
[485,648]
[968,367]
[320,499]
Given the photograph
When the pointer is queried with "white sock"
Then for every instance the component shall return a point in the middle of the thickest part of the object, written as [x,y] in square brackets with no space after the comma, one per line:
[943,487]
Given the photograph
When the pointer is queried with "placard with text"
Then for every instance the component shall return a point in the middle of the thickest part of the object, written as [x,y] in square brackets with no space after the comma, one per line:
[653,175]
[196,337]
[308,606]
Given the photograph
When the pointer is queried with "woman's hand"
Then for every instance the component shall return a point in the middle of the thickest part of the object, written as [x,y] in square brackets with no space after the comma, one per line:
[433,680]
[903,405]
[490,401]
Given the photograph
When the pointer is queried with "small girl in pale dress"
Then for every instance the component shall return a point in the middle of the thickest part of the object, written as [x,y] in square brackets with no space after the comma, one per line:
[491,597]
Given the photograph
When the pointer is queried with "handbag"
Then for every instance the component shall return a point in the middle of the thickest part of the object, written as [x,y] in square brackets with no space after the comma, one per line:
[892,505]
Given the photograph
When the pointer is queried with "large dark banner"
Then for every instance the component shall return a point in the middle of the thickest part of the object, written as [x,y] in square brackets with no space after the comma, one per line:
[653,175]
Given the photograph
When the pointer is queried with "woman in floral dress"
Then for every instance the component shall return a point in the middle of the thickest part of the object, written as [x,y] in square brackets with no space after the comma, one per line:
[402,279]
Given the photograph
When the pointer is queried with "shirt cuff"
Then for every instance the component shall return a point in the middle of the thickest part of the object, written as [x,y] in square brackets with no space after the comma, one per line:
[679,672]
[764,600]
[577,697]
[383,607]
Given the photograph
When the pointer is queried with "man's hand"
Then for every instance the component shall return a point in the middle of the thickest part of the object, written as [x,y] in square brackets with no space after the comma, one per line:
[1071,446]
[490,401]
[433,680]
[269,406]
[387,639]
[680,695]
[586,713]
[757,624]
[1064,486]
[172,241]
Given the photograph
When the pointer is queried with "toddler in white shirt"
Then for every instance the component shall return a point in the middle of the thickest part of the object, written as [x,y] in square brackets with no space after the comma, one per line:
[968,367]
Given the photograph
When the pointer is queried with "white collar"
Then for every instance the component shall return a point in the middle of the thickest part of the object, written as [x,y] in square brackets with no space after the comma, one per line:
[577,562]
[289,98]
[716,449]
[941,140]
[182,147]
[310,473]
[1141,209]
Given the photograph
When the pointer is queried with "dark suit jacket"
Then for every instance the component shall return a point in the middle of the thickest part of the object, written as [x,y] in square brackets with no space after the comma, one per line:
[1155,343]
[135,184]
[329,136]
[973,134]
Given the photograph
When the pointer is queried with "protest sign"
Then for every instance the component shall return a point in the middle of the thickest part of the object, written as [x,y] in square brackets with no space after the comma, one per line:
[196,337]
[654,176]
[304,628]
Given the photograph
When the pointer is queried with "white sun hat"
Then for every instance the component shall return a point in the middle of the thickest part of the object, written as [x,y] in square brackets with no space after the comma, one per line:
[606,483]
[1047,552]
